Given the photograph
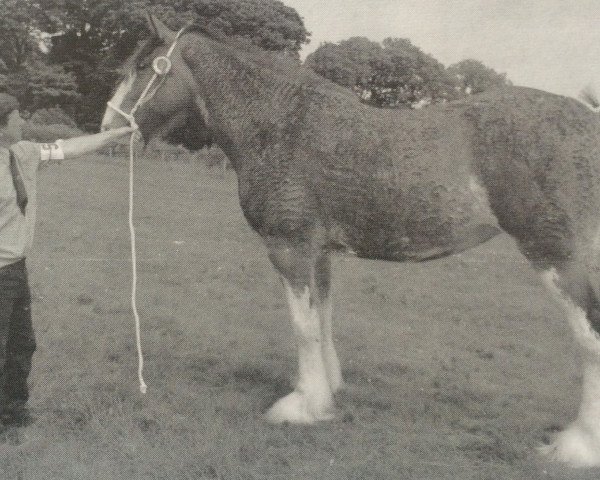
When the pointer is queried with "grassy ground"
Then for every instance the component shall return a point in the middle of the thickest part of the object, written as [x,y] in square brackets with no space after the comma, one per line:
[457,369]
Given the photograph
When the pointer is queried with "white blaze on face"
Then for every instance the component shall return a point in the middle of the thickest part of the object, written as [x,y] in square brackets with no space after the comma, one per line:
[117,99]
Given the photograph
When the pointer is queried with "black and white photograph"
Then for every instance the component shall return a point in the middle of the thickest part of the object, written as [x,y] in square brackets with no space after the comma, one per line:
[299,240]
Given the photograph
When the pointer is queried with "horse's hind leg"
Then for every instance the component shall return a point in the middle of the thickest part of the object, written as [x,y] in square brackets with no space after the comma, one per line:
[312,397]
[555,223]
[572,285]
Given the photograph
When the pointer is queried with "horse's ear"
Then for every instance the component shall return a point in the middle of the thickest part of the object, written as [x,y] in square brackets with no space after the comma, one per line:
[159,29]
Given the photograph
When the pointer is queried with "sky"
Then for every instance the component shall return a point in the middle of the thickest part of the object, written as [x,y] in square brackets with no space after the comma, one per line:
[553,45]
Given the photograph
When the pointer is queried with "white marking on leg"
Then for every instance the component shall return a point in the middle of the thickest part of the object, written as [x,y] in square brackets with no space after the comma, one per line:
[122,91]
[579,443]
[332,363]
[585,335]
[312,398]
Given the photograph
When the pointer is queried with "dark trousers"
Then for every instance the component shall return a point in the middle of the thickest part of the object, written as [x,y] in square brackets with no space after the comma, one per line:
[17,340]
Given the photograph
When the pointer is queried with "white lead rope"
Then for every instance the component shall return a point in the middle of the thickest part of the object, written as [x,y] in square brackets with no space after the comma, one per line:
[138,337]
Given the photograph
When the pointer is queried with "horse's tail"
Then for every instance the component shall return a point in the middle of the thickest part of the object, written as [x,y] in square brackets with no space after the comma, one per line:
[588,95]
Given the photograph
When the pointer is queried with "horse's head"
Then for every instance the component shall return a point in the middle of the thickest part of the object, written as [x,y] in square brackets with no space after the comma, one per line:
[157,87]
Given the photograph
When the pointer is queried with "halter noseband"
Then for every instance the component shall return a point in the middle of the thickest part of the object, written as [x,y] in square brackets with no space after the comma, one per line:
[161,66]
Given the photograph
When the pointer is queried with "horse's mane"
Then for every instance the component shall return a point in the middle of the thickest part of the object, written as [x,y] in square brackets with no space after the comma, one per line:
[286,67]
[242,44]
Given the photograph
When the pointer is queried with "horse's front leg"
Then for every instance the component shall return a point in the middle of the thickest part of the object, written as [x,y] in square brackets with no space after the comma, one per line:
[312,397]
[323,284]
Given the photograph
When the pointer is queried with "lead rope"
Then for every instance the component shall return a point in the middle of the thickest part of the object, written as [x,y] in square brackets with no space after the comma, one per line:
[136,316]
[138,336]
[144,97]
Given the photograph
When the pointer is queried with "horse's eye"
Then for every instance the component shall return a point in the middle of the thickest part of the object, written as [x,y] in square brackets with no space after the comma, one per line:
[142,64]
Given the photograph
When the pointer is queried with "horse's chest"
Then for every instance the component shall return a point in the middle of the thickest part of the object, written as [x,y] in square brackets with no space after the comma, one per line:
[277,203]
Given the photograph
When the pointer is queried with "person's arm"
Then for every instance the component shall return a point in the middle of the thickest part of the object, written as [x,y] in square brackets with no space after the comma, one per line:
[77,146]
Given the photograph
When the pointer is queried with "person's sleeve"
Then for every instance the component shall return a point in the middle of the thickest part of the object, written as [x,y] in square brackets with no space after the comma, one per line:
[33,156]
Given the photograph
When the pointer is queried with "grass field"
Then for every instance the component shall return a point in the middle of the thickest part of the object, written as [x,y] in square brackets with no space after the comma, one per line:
[456,369]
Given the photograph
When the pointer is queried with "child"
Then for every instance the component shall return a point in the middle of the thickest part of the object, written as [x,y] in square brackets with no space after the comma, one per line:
[19,163]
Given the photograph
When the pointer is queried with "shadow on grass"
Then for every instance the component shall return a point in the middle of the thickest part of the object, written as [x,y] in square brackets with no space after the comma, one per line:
[243,378]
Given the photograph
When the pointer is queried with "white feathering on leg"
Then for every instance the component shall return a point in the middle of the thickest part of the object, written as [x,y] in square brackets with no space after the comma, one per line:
[579,444]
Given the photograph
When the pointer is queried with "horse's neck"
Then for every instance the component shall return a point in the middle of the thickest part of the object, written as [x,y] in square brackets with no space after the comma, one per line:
[246,103]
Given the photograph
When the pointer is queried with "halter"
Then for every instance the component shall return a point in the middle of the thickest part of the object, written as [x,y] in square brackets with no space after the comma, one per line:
[161,66]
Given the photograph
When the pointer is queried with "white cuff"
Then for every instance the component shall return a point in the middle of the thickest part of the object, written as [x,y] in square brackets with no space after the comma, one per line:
[52,151]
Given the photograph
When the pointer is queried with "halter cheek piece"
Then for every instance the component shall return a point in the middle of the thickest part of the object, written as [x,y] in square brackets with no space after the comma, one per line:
[161,66]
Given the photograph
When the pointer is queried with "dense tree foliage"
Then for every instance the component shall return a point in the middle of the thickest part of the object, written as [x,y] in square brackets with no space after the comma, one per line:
[18,32]
[474,77]
[24,70]
[396,73]
[87,39]
[391,74]
[266,23]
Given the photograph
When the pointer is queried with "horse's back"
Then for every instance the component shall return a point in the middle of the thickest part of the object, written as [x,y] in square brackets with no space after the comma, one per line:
[416,185]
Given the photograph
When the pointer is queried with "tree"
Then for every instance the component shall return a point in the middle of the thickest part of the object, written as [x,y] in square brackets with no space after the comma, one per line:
[50,86]
[392,74]
[39,85]
[410,76]
[18,28]
[474,77]
[350,63]
[23,69]
[267,23]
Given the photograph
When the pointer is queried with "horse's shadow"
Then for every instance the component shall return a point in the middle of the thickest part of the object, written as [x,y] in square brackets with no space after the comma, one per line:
[244,378]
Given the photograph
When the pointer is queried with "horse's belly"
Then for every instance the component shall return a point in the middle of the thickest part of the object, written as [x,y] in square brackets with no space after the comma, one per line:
[425,220]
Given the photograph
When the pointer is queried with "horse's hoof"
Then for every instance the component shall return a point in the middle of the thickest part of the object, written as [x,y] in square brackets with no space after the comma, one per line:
[296,408]
[576,446]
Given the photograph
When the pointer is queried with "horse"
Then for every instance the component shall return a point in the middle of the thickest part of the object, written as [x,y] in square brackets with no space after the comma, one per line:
[320,172]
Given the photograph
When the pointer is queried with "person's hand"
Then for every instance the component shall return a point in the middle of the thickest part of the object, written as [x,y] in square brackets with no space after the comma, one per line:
[120,131]
[132,128]
[135,130]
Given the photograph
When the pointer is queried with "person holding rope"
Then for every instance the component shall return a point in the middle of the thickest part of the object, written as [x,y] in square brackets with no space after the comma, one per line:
[19,163]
